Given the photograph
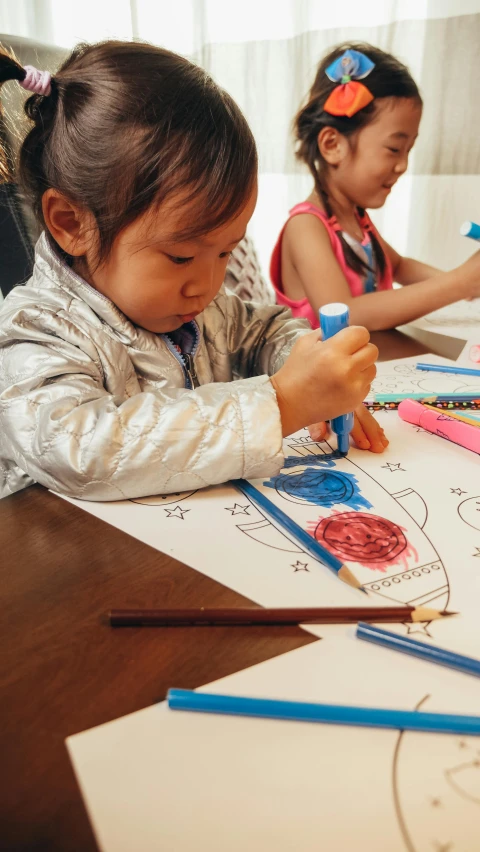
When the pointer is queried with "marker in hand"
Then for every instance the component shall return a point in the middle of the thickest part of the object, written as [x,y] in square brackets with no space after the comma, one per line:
[472,230]
[333,318]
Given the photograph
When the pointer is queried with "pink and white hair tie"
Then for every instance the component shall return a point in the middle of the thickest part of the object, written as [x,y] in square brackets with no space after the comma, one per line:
[36,81]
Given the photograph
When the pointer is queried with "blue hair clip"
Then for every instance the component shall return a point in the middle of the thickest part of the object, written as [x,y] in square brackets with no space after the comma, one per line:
[351,65]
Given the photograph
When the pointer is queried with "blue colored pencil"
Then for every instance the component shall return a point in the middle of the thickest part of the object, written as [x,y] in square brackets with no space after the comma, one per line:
[334,714]
[310,544]
[431,653]
[427,397]
[442,368]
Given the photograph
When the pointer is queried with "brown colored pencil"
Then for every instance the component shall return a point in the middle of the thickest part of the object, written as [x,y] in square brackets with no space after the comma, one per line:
[247,616]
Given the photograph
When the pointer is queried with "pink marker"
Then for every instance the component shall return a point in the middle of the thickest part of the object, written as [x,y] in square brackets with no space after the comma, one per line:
[439,423]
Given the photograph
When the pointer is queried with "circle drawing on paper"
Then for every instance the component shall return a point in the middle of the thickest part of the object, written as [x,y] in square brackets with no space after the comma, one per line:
[440,383]
[361,537]
[320,487]
[463,314]
[163,499]
[469,512]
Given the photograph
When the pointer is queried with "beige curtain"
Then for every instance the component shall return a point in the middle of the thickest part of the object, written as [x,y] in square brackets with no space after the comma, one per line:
[265,53]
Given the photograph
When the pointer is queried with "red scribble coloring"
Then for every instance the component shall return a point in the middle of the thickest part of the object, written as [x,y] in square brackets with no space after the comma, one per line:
[359,537]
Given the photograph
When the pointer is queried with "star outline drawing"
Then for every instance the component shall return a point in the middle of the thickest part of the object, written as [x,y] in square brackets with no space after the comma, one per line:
[300,566]
[177,512]
[393,466]
[237,509]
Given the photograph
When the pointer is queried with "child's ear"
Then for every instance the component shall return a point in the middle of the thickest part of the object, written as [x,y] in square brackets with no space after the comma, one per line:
[332,146]
[72,227]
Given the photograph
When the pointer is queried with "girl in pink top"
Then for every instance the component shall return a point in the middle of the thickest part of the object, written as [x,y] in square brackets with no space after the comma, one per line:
[355,134]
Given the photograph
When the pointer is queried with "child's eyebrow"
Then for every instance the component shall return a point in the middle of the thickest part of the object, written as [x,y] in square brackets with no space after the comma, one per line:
[205,242]
[199,241]
[399,135]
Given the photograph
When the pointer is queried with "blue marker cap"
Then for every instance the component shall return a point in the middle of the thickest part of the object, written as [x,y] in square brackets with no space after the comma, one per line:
[470,229]
[333,318]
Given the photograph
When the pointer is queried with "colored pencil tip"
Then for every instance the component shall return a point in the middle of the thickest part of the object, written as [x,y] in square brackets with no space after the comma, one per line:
[424,613]
[346,575]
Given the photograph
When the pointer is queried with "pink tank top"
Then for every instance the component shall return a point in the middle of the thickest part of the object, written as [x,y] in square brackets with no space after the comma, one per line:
[358,283]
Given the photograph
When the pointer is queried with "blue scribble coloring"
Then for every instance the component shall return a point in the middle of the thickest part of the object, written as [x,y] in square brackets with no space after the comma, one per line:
[318,487]
[318,461]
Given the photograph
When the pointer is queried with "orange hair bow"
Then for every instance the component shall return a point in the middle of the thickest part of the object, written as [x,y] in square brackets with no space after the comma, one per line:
[349,96]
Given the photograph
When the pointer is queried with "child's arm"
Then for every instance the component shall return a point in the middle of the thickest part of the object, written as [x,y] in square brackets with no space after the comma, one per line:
[74,417]
[308,248]
[407,270]
[259,338]
[61,425]
[263,337]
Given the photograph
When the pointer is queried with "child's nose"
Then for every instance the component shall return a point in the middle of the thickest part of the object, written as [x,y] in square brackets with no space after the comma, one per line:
[203,282]
[402,165]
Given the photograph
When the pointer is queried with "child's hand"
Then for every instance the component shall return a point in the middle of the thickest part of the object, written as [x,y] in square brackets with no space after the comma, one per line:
[367,434]
[321,380]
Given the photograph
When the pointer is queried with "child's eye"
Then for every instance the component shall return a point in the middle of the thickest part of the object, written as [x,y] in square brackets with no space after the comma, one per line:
[394,150]
[225,254]
[179,260]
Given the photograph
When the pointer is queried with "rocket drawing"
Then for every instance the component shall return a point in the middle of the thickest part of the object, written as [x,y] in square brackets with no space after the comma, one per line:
[335,500]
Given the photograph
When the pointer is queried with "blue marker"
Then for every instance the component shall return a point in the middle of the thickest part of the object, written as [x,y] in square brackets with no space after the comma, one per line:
[472,230]
[333,714]
[333,318]
[448,368]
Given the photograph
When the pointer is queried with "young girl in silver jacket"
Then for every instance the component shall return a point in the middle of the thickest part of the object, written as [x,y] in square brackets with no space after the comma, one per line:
[126,369]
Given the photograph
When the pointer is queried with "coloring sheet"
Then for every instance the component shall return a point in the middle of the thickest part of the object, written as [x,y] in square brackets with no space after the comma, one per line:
[401,376]
[186,782]
[461,319]
[407,523]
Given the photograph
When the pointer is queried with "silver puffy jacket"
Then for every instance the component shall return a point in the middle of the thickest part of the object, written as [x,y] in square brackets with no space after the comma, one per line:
[97,408]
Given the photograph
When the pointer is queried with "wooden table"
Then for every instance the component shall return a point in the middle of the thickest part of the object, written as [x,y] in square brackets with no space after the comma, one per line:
[63,669]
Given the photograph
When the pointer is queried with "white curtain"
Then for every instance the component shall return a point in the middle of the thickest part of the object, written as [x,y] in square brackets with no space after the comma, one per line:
[264,52]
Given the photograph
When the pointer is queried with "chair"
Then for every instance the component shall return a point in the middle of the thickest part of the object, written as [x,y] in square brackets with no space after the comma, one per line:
[18,229]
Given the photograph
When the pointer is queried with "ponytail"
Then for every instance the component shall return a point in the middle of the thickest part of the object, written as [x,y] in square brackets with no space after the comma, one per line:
[10,69]
[31,79]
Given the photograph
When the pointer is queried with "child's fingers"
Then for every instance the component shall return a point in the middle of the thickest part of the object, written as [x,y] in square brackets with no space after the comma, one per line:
[358,435]
[318,431]
[367,433]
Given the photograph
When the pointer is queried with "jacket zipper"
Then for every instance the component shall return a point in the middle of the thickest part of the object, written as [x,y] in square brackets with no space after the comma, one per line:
[190,370]
[186,359]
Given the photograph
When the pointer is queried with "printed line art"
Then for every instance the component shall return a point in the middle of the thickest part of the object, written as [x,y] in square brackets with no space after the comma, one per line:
[405,378]
[469,511]
[396,558]
[436,789]
[164,499]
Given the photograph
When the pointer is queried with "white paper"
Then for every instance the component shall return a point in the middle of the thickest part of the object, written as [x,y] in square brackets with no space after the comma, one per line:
[461,319]
[415,512]
[160,780]
[401,376]
[185,782]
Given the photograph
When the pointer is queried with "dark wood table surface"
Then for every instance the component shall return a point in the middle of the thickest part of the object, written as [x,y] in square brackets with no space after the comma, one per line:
[62,669]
